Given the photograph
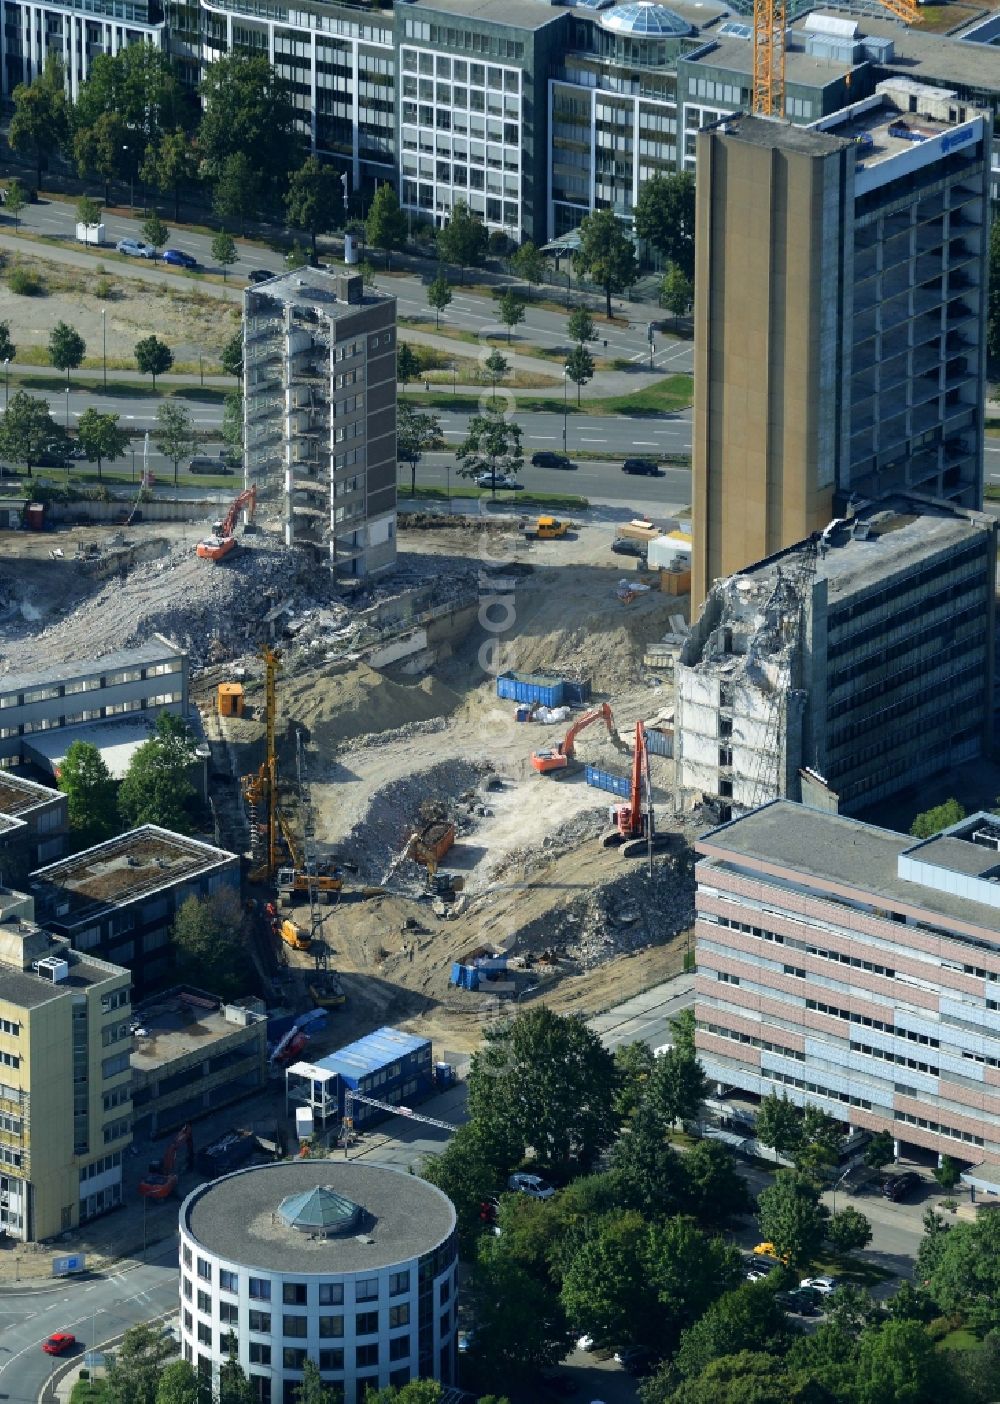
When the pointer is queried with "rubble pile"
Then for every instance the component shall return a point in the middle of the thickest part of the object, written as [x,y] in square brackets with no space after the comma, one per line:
[628,913]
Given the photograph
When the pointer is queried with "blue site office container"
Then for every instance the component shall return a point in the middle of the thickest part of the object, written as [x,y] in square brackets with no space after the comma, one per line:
[531,687]
[603,780]
[659,743]
[576,691]
[389,1065]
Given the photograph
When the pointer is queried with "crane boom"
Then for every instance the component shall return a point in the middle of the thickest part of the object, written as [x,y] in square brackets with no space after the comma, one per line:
[558,757]
[223,540]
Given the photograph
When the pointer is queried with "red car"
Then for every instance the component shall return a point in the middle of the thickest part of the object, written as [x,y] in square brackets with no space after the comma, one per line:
[59,1344]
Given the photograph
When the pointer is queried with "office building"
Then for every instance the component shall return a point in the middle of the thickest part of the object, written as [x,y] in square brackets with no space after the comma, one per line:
[194,1053]
[351,1265]
[845,668]
[320,414]
[65,1108]
[31,32]
[839,318]
[119,898]
[34,822]
[857,970]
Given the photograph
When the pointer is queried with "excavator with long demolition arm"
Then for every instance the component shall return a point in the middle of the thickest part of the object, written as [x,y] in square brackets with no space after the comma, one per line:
[223,539]
[635,828]
[559,758]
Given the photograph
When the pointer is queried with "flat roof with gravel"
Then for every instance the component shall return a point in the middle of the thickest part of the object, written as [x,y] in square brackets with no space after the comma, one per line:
[18,794]
[236,1217]
[157,650]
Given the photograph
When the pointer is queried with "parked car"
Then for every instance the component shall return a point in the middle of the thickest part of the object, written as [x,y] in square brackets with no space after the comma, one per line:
[545,458]
[134,248]
[624,546]
[823,1285]
[768,1250]
[757,1272]
[486,480]
[77,452]
[531,1185]
[801,1303]
[635,1360]
[179,258]
[59,1343]
[55,454]
[897,1187]
[260,275]
[641,465]
[205,463]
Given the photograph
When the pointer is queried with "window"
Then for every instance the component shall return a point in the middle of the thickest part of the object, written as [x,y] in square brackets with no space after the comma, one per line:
[205,1303]
[332,1358]
[116,999]
[11,1060]
[204,1269]
[228,1281]
[366,1289]
[295,1327]
[186,1287]
[399,1347]
[399,1282]
[399,1315]
[293,1358]
[366,1355]
[293,1293]
[118,1097]
[111,1067]
[366,1323]
[331,1326]
[8,1026]
[187,1256]
[204,1334]
[229,1314]
[260,1321]
[260,1289]
[260,1354]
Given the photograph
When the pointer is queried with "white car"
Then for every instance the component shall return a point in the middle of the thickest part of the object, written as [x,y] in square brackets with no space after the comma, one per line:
[531,1185]
[503,480]
[134,248]
[585,1343]
[823,1285]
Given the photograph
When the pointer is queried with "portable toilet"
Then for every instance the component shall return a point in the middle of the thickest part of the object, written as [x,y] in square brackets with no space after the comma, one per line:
[230,700]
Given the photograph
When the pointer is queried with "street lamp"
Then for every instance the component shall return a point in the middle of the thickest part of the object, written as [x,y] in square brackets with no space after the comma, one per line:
[6,382]
[454,380]
[104,342]
[67,401]
[133,463]
[565,402]
[131,188]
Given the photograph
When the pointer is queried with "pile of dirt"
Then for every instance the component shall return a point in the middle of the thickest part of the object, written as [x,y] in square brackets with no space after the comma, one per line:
[340,703]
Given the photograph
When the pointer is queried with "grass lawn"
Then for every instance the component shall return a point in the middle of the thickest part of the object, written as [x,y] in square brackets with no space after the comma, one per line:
[960,1339]
[666,396]
[117,475]
[89,1392]
[565,501]
[938,19]
[126,389]
[851,1270]
[992,492]
[993,428]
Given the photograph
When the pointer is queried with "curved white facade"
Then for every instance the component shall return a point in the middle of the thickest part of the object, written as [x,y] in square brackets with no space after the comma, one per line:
[372,1302]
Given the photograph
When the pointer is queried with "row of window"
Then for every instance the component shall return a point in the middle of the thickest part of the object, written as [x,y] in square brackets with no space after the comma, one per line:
[100,1167]
[117,999]
[52,691]
[738,1037]
[805,1086]
[10,1060]
[366,1289]
[951,1132]
[849,1016]
[8,1026]
[295,1327]
[905,1062]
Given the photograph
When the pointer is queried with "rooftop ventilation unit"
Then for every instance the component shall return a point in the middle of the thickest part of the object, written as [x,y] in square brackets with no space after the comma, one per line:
[52,968]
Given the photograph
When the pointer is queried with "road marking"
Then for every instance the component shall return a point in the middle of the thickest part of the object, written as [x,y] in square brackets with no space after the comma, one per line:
[593,441]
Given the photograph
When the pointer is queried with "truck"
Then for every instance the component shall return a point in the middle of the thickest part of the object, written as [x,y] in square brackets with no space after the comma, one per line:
[89,233]
[294,936]
[545,529]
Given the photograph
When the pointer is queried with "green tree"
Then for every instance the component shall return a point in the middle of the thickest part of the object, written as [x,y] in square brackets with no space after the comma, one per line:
[25,429]
[779,1123]
[848,1231]
[851,1307]
[101,438]
[463,239]
[407,364]
[232,354]
[210,944]
[417,433]
[140,91]
[745,1378]
[237,190]
[664,214]
[178,1384]
[820,1139]
[312,1390]
[529,263]
[175,436]
[385,227]
[545,1080]
[494,368]
[520,1324]
[154,231]
[492,444]
[100,148]
[8,351]
[225,255]
[606,254]
[91,794]
[157,788]
[682,1032]
[649,1174]
[961,1265]
[948,1173]
[879,1151]
[510,310]
[170,164]
[993,297]
[633,1065]
[295,257]
[828,1356]
[606,1290]
[248,112]
[40,121]
[439,295]
[473,1165]
[791,1216]
[234,1387]
[676,1089]
[542,1235]
[932,821]
[232,427]
[676,292]
[897,1363]
[88,211]
[153,357]
[315,200]
[16,199]
[689,1270]
[579,367]
[134,1370]
[580,325]
[67,348]
[747,1318]
[715,1193]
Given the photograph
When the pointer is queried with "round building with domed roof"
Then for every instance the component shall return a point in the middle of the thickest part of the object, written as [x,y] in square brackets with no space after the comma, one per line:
[350,1265]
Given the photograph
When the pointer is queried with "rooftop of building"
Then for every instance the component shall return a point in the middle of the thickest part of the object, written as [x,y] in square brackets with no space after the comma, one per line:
[116,738]
[735,55]
[130,867]
[156,650]
[835,849]
[645,19]
[23,944]
[236,1217]
[519,14]
[18,795]
[176,1023]
[932,58]
[883,126]
[372,1052]
[776,134]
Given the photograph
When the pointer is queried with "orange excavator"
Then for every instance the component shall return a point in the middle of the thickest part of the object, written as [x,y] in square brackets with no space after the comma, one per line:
[560,757]
[223,540]
[635,829]
[161,1180]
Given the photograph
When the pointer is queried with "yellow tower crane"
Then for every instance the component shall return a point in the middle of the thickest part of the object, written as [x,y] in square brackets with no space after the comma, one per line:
[261,790]
[770,21]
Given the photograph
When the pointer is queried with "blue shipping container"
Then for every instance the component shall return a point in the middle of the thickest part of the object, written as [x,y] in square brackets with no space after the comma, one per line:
[603,780]
[531,687]
[659,743]
[388,1064]
[576,692]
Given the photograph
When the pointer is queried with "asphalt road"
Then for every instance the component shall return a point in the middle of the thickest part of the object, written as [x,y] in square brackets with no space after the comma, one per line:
[94,1311]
